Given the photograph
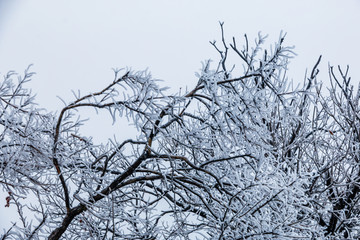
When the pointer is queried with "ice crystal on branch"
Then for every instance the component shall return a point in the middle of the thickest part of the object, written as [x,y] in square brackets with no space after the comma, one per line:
[242,155]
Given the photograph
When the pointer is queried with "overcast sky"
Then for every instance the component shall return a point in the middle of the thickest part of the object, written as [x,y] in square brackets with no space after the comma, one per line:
[75,44]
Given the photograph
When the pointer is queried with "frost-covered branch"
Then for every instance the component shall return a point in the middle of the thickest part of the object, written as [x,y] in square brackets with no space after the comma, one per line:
[241,155]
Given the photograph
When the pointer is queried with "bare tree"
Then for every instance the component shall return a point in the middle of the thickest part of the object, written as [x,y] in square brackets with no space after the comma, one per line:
[236,157]
[334,157]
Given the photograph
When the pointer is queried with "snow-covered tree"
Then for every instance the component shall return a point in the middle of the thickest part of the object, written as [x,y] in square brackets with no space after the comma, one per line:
[243,155]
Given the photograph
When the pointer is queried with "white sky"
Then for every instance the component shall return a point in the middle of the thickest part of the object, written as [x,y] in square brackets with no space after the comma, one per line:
[74,44]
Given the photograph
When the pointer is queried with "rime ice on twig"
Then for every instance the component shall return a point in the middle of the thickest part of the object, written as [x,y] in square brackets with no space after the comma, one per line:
[236,157]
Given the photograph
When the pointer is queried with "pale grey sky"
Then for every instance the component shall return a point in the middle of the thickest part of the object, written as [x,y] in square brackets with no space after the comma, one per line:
[74,44]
